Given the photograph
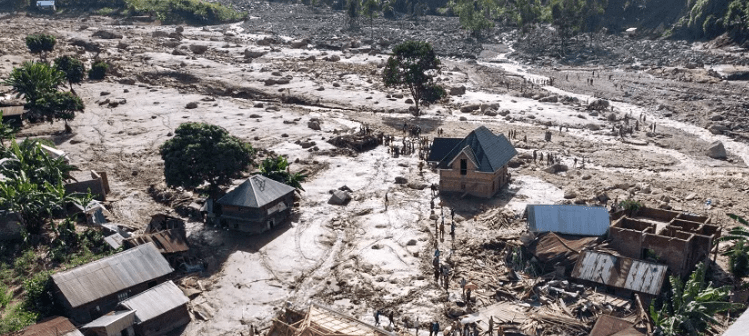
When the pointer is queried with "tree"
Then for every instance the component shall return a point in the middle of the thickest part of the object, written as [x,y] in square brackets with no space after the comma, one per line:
[40,43]
[475,15]
[277,169]
[352,11]
[408,66]
[567,19]
[98,70]
[57,106]
[202,153]
[73,68]
[369,9]
[34,80]
[692,306]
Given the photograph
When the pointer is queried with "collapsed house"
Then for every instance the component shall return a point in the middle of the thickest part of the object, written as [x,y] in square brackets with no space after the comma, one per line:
[321,321]
[676,239]
[89,291]
[475,165]
[168,234]
[558,253]
[625,275]
[568,219]
[255,206]
[95,182]
[54,326]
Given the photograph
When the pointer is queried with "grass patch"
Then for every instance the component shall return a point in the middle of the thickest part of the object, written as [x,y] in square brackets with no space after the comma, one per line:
[16,318]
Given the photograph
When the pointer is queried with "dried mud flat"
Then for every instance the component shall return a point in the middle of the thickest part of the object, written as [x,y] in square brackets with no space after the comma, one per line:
[371,254]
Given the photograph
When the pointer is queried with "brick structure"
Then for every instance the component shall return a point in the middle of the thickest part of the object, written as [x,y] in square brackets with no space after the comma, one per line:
[475,165]
[676,239]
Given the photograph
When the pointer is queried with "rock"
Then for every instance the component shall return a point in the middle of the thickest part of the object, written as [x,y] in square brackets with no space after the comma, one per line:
[717,151]
[178,52]
[458,90]
[556,168]
[717,128]
[549,99]
[107,34]
[411,242]
[401,180]
[314,124]
[418,185]
[273,81]
[104,93]
[586,177]
[598,104]
[266,41]
[198,48]
[470,108]
[298,44]
[191,105]
[254,116]
[339,197]
[463,118]
[159,33]
[307,144]
[179,29]
[409,101]
[504,113]
[332,58]
[126,81]
[690,197]
[603,197]
[87,45]
[398,95]
[593,127]
[570,194]
[716,117]
[254,53]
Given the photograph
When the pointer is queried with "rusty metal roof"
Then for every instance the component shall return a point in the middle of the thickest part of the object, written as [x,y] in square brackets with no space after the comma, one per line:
[156,301]
[168,241]
[568,219]
[256,192]
[620,272]
[57,326]
[112,274]
[607,325]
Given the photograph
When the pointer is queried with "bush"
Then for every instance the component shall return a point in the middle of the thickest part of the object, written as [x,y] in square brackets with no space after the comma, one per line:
[24,263]
[15,319]
[38,290]
[98,70]
[40,43]
[433,93]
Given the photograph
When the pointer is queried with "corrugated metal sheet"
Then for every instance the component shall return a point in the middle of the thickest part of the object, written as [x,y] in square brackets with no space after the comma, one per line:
[740,327]
[491,151]
[620,272]
[57,326]
[112,274]
[116,321]
[256,192]
[441,147]
[9,111]
[156,301]
[169,241]
[568,219]
[114,240]
[607,325]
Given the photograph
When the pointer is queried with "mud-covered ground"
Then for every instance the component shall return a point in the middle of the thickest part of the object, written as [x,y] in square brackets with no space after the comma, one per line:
[264,87]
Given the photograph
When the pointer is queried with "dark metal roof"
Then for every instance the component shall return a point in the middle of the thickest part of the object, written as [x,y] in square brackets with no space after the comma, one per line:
[621,272]
[156,301]
[256,192]
[568,219]
[169,241]
[57,326]
[441,147]
[97,279]
[490,151]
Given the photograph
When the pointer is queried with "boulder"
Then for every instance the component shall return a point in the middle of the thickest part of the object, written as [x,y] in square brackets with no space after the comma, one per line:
[198,48]
[457,91]
[401,180]
[556,168]
[418,185]
[87,45]
[717,151]
[107,34]
[332,58]
[470,108]
[570,194]
[549,99]
[159,33]
[273,81]
[254,53]
[598,104]
[593,127]
[298,44]
[339,197]
[191,105]
[717,128]
[266,41]
[314,124]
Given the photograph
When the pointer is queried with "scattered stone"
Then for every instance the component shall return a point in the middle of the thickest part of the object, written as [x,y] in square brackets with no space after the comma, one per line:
[458,90]
[401,180]
[107,34]
[570,194]
[191,105]
[198,48]
[339,197]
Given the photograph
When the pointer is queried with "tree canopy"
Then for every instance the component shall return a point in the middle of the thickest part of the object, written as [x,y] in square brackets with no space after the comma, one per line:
[40,43]
[203,153]
[408,67]
[277,169]
[73,68]
[33,80]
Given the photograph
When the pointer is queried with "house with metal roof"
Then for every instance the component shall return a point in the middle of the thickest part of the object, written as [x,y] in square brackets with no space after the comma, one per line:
[55,326]
[158,310]
[576,220]
[94,289]
[256,205]
[475,165]
[113,324]
[624,274]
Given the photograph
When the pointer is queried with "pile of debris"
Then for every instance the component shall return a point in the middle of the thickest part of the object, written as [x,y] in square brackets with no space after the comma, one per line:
[357,142]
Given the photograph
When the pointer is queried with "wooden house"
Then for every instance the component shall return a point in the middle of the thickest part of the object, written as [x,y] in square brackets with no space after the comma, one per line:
[255,206]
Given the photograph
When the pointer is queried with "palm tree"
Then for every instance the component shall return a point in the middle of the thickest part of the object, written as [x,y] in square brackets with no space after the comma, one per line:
[277,169]
[34,80]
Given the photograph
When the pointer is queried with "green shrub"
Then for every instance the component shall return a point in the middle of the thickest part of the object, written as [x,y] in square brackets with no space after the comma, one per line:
[40,43]
[5,296]
[24,263]
[16,318]
[38,291]
[98,70]
[433,92]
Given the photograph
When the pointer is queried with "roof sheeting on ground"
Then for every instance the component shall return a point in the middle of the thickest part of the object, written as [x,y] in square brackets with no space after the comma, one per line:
[97,279]
[57,326]
[118,320]
[490,151]
[607,325]
[568,219]
[550,248]
[156,301]
[325,321]
[168,241]
[256,192]
[620,272]
[441,147]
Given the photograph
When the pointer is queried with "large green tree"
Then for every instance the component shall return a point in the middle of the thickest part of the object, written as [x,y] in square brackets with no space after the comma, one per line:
[202,153]
[409,67]
[41,44]
[73,68]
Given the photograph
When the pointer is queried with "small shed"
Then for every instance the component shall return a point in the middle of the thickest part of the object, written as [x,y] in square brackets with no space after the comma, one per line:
[118,323]
[95,182]
[159,310]
[568,219]
[255,206]
[624,273]
[94,289]
[54,326]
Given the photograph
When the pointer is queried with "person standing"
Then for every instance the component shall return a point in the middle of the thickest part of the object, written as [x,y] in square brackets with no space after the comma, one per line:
[390,317]
[377,317]
[442,230]
[463,286]
[452,230]
[491,326]
[417,326]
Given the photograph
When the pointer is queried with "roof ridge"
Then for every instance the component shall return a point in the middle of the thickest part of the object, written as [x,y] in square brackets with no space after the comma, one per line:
[151,289]
[128,251]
